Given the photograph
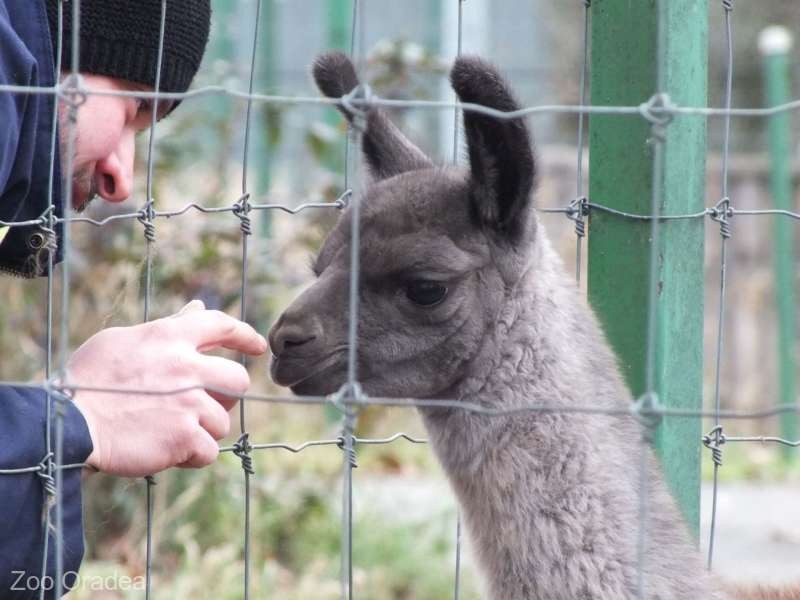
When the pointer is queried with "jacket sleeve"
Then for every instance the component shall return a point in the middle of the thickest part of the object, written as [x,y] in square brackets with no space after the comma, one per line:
[27,122]
[17,67]
[23,416]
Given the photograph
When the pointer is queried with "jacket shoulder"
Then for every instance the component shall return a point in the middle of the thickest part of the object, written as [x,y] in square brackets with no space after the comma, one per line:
[26,59]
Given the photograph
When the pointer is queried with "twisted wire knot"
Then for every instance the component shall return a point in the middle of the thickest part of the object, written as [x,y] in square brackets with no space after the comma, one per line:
[348,393]
[50,241]
[587,3]
[647,408]
[721,213]
[150,479]
[714,440]
[242,449]
[47,218]
[657,111]
[61,395]
[343,201]
[350,450]
[727,5]
[578,209]
[145,217]
[45,474]
[362,94]
[242,210]
[71,93]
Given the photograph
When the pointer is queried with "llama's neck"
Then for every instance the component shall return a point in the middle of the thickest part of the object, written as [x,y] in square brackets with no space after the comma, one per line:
[544,348]
[540,351]
[549,496]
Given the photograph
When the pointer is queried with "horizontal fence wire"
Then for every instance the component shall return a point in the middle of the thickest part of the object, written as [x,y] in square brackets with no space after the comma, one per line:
[657,110]
[646,110]
[363,400]
[571,210]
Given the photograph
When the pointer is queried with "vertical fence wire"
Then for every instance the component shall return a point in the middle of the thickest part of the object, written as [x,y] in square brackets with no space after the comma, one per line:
[51,245]
[352,388]
[149,234]
[243,214]
[147,216]
[723,212]
[347,144]
[580,200]
[456,115]
[649,400]
[73,99]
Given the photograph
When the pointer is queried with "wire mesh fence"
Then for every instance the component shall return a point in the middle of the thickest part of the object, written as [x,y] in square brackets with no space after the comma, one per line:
[658,112]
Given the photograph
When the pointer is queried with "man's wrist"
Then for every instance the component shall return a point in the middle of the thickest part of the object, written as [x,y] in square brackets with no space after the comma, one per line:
[88,470]
[91,461]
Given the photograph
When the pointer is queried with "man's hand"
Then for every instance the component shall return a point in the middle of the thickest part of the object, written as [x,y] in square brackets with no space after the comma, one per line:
[136,434]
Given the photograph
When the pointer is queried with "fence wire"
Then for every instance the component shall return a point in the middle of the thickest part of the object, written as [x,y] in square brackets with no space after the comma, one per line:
[658,111]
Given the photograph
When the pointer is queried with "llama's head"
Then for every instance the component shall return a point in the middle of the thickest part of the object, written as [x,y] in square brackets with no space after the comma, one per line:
[441,250]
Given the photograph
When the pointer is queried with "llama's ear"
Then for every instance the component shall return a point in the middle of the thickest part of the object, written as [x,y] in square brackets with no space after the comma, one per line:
[387,151]
[500,154]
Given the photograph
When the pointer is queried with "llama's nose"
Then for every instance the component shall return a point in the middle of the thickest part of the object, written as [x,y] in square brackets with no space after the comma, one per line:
[289,335]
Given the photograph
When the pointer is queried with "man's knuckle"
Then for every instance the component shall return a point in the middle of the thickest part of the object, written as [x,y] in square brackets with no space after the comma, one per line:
[206,451]
[227,323]
[219,428]
[185,429]
[160,329]
[181,366]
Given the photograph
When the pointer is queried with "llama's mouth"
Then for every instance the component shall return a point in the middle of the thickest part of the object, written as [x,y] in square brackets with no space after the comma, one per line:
[306,377]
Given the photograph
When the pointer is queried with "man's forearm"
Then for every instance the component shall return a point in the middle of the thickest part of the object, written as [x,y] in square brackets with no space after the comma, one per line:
[27,496]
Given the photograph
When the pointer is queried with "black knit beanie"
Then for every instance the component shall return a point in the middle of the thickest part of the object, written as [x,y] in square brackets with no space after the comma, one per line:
[119,38]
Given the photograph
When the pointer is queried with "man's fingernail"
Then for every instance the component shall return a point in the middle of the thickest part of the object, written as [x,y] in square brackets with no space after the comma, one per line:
[193,305]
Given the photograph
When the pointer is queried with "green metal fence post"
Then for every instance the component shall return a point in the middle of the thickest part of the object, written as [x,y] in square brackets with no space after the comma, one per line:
[339,15]
[221,48]
[339,23]
[774,44]
[267,117]
[623,72]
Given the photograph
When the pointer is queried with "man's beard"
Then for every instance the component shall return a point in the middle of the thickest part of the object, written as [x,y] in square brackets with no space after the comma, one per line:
[84,189]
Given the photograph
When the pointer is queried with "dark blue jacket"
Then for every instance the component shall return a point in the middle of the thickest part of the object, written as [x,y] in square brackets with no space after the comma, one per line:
[26,122]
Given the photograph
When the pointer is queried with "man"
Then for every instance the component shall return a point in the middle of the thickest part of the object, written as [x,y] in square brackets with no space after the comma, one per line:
[119,433]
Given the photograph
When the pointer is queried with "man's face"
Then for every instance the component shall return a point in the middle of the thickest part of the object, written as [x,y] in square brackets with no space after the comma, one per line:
[104,142]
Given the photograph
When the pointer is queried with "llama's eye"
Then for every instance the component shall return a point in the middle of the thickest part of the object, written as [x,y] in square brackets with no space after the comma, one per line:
[425,293]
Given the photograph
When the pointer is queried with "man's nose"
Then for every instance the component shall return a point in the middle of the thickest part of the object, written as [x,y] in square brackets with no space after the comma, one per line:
[113,175]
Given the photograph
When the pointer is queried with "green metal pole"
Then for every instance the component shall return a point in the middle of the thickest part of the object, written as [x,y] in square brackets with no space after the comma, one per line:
[775,43]
[268,118]
[340,14]
[623,72]
[221,48]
